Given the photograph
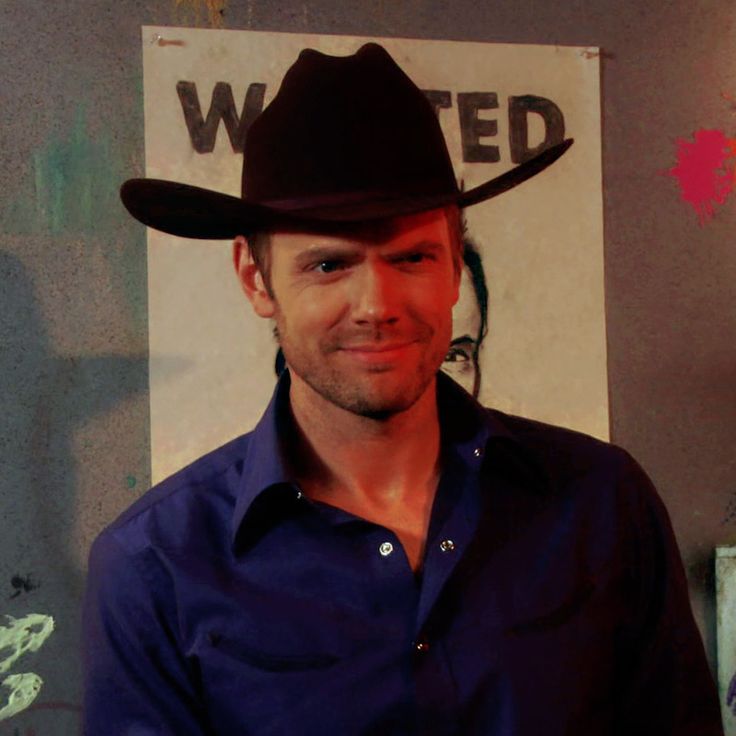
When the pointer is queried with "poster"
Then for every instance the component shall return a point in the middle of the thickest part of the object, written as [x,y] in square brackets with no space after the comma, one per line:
[539,247]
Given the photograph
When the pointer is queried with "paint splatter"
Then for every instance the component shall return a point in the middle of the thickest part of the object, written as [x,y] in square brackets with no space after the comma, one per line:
[76,179]
[24,690]
[706,170]
[22,585]
[22,635]
[18,637]
[73,184]
[215,10]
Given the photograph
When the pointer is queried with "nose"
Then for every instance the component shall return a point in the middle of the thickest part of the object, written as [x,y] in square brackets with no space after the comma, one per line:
[376,294]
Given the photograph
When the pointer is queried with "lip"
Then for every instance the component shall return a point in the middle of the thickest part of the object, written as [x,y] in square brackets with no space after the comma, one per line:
[378,352]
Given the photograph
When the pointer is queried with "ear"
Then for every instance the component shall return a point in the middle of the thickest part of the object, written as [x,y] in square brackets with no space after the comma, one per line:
[251,279]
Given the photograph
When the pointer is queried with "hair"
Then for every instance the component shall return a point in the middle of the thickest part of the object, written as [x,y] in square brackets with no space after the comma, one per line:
[474,264]
[259,245]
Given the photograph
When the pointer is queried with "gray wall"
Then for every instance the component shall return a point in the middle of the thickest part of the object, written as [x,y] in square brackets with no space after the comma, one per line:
[73,428]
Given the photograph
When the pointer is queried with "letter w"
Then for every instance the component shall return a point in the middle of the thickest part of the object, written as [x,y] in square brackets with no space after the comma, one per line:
[222,107]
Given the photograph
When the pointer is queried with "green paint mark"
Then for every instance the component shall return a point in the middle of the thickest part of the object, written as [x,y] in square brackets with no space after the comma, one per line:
[76,178]
[22,635]
[131,481]
[24,689]
[68,188]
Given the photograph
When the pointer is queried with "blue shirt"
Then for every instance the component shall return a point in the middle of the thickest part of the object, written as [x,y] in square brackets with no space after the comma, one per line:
[551,600]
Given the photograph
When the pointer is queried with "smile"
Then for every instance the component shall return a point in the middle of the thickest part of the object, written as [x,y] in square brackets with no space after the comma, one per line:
[378,352]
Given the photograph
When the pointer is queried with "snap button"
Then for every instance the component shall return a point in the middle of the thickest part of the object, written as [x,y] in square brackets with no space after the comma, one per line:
[447,545]
[386,549]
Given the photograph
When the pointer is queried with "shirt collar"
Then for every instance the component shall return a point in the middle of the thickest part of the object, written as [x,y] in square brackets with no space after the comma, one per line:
[468,429]
[265,465]
[472,428]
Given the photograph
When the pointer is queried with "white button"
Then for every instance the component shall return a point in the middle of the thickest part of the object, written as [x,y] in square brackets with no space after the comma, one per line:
[478,451]
[386,549]
[299,495]
[447,545]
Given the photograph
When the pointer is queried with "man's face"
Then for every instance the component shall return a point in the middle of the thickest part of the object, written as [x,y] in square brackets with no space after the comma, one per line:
[365,319]
[460,362]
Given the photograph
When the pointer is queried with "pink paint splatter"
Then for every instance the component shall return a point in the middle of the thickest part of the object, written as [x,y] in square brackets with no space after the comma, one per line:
[706,170]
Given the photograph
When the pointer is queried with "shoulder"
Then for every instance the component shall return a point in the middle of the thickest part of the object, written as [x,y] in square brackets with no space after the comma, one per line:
[575,462]
[566,449]
[196,498]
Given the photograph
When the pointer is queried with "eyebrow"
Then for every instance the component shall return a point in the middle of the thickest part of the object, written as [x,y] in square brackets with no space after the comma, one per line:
[347,251]
[464,338]
[426,245]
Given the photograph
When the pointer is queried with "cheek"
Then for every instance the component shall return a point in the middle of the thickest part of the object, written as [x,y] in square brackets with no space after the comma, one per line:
[312,312]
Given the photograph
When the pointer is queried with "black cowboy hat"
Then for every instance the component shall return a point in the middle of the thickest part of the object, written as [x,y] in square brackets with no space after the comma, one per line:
[345,139]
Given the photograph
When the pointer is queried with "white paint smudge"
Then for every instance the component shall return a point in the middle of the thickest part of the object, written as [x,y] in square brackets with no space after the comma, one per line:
[25,688]
[21,635]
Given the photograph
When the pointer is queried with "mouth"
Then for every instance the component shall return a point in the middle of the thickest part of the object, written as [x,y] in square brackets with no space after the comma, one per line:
[381,352]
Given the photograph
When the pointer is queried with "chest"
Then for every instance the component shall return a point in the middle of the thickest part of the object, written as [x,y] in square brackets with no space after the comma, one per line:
[408,522]
[318,634]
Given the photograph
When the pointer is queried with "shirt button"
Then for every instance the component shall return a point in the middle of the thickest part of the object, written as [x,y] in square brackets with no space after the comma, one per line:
[299,495]
[422,646]
[386,549]
[478,451]
[447,545]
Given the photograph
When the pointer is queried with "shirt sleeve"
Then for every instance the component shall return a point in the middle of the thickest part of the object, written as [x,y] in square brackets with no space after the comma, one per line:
[135,679]
[666,687]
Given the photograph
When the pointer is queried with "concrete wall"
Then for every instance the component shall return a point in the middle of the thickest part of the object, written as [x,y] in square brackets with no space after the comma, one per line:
[73,365]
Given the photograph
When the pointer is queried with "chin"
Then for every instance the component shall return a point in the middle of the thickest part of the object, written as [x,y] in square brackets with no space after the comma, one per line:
[374,398]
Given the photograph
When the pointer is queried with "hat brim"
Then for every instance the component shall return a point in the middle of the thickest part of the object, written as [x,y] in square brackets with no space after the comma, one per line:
[195,212]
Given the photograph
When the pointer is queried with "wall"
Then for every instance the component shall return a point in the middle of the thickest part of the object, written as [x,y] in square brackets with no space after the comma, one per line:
[73,434]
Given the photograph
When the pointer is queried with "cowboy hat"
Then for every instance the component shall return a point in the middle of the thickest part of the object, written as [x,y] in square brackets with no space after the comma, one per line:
[345,139]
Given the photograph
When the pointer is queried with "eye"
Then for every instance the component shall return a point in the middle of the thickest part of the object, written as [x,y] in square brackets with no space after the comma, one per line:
[328,266]
[457,355]
[414,258]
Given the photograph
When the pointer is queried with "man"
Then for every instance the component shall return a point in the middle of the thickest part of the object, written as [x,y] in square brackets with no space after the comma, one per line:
[469,326]
[381,555]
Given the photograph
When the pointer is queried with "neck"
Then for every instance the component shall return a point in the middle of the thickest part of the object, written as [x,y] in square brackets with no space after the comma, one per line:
[345,457]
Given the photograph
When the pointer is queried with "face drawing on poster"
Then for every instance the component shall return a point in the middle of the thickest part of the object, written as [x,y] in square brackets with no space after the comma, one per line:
[469,324]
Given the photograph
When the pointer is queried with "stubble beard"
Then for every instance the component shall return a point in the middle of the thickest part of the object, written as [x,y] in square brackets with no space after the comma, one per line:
[376,392]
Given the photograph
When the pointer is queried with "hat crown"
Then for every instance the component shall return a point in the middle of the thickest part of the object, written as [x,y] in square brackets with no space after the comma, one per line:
[340,127]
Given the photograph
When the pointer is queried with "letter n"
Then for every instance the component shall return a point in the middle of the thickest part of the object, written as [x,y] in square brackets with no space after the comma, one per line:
[554,126]
[203,133]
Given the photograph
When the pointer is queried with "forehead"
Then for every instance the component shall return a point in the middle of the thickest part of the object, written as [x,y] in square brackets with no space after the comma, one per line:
[406,229]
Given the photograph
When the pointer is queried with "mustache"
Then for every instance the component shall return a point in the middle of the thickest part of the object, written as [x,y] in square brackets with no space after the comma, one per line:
[377,337]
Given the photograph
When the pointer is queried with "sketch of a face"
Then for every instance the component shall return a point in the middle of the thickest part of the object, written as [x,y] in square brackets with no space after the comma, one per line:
[469,319]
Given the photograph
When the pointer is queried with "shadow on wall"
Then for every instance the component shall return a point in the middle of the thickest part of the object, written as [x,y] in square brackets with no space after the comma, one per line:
[46,399]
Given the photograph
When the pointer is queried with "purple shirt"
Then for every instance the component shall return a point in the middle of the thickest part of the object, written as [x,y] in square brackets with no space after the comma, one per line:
[551,601]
